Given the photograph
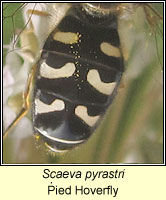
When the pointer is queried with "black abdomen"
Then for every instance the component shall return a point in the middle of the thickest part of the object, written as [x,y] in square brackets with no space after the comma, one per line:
[78,74]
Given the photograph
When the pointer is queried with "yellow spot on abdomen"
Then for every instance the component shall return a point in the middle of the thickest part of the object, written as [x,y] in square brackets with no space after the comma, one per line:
[110,50]
[37,137]
[66,37]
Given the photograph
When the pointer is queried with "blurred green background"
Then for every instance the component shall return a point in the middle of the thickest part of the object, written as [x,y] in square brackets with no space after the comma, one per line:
[132,131]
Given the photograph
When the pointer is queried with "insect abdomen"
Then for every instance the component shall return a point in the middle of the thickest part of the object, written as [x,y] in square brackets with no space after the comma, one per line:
[78,73]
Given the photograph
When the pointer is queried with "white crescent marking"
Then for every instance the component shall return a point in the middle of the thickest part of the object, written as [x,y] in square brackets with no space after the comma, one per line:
[58,139]
[41,107]
[93,78]
[81,112]
[64,72]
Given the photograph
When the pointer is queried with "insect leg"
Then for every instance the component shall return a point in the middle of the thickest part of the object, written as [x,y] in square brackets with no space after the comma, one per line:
[26,103]
[31,12]
[27,37]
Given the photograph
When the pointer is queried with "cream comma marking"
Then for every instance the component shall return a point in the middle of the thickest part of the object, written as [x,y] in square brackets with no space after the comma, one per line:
[57,105]
[64,72]
[110,50]
[93,78]
[81,112]
[67,37]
